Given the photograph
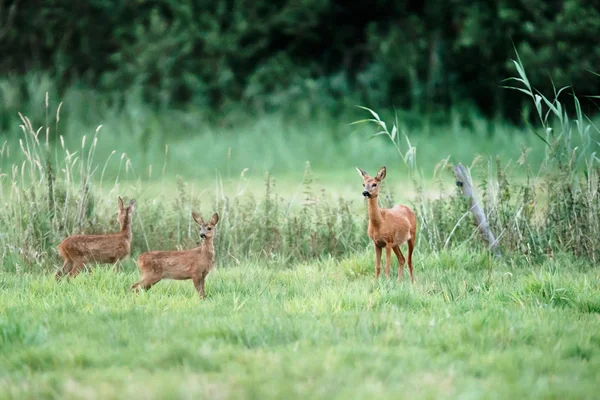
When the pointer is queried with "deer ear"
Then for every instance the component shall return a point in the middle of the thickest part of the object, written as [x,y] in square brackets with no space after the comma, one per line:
[214,219]
[120,201]
[362,173]
[380,174]
[197,218]
[131,205]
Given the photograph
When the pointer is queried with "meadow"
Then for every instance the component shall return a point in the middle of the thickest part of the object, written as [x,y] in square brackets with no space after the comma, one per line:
[468,328]
[292,308]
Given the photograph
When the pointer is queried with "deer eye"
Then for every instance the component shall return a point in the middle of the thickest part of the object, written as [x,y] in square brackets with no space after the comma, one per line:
[373,185]
[209,228]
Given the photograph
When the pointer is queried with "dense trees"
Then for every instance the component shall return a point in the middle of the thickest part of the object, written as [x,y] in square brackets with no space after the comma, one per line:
[423,55]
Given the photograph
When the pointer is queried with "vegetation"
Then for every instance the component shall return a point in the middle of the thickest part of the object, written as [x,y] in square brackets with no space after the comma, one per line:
[469,327]
[292,310]
[289,55]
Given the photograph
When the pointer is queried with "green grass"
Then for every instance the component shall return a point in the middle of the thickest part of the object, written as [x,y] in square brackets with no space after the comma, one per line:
[201,146]
[468,328]
[292,309]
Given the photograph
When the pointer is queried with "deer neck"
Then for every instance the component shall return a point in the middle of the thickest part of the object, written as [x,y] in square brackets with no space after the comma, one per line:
[207,248]
[207,244]
[126,228]
[375,217]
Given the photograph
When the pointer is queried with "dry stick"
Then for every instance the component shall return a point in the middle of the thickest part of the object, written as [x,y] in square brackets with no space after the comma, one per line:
[464,181]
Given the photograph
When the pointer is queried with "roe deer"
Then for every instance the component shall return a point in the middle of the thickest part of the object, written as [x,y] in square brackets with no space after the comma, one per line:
[389,227]
[192,264]
[78,250]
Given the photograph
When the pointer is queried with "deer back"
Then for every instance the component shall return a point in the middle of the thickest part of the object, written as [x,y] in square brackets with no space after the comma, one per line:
[95,248]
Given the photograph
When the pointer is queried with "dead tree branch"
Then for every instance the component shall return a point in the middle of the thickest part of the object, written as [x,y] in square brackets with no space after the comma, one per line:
[463,180]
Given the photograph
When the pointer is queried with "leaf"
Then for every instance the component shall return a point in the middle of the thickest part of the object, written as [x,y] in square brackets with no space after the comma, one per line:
[371,111]
[521,72]
[377,134]
[538,104]
[551,106]
[394,132]
[362,121]
[519,89]
[592,72]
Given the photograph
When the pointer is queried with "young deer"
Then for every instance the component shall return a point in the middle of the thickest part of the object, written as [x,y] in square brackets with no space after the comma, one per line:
[389,227]
[79,250]
[192,264]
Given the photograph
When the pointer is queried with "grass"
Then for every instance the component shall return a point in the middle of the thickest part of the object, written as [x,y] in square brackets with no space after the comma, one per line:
[466,329]
[293,310]
[196,145]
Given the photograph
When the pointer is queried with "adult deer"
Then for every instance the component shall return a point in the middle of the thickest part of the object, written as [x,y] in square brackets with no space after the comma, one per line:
[389,228]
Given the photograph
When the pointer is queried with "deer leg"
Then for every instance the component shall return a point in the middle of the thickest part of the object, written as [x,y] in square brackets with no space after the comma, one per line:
[401,261]
[145,283]
[377,261]
[411,246]
[67,265]
[388,260]
[76,269]
[199,284]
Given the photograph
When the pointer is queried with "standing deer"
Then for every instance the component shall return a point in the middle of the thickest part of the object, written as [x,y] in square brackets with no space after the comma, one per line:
[389,227]
[192,264]
[79,250]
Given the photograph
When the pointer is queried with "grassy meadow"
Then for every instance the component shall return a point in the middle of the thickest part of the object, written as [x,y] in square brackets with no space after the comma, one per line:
[468,328]
[293,310]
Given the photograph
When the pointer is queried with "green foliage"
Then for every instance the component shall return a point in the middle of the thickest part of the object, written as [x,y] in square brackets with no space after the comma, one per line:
[299,57]
[557,211]
[569,177]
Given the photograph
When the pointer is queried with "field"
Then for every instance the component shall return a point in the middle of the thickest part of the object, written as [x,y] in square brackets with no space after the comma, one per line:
[293,310]
[468,328]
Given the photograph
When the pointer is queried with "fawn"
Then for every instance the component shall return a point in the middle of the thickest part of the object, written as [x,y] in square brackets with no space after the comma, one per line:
[192,264]
[389,227]
[78,250]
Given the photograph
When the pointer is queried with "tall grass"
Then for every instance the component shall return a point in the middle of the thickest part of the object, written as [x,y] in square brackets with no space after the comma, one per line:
[58,189]
[230,143]
[558,208]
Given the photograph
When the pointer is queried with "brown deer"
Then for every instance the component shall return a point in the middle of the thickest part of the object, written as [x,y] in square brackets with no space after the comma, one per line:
[79,250]
[389,227]
[192,264]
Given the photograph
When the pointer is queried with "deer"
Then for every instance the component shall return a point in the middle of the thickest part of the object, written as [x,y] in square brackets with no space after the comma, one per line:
[388,228]
[80,250]
[194,264]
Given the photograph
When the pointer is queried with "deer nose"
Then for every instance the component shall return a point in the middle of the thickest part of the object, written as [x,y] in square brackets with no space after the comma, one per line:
[203,235]
[366,193]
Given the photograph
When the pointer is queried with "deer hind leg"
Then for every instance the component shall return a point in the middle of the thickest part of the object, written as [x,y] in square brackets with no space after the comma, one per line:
[388,260]
[145,283]
[66,268]
[377,261]
[411,246]
[401,261]
[199,284]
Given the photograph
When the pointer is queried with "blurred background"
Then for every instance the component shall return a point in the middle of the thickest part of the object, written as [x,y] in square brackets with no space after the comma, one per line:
[268,85]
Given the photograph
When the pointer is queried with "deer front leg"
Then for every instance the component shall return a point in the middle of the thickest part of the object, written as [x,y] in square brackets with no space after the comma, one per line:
[388,260]
[67,265]
[77,267]
[377,261]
